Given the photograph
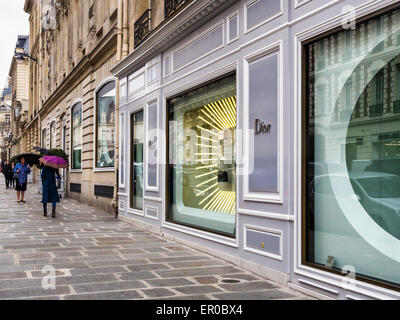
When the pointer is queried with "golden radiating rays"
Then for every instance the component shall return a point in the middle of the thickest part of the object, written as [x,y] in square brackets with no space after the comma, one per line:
[218,116]
[222,201]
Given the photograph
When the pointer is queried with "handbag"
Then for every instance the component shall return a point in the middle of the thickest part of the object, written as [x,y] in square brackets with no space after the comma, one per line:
[15,176]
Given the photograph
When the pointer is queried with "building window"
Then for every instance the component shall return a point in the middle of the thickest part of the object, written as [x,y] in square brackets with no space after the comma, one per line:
[53,135]
[105,144]
[201,158]
[77,136]
[352,170]
[137,138]
[44,138]
[8,119]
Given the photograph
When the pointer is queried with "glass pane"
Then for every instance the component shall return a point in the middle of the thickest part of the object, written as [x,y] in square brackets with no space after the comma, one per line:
[353,150]
[202,167]
[137,161]
[122,151]
[77,137]
[106,126]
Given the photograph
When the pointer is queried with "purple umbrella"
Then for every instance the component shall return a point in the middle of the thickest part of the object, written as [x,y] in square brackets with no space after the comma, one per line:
[54,162]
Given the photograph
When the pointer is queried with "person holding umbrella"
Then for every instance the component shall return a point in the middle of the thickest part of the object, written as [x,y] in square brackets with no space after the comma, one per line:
[23,170]
[49,187]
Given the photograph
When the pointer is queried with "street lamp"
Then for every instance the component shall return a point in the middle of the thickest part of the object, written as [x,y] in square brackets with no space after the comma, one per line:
[22,55]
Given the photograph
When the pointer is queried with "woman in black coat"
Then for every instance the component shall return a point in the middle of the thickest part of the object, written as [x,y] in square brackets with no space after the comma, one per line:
[49,188]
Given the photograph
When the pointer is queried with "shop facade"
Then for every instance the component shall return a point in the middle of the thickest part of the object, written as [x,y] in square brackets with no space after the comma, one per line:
[268,134]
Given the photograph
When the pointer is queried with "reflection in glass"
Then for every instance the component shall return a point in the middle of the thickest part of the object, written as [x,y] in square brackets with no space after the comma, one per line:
[202,167]
[137,138]
[105,152]
[353,150]
[77,136]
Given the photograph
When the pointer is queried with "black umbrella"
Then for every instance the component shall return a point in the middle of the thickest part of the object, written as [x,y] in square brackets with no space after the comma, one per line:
[30,158]
[42,151]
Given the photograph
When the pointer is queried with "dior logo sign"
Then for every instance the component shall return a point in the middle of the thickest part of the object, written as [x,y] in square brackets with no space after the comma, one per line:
[261,127]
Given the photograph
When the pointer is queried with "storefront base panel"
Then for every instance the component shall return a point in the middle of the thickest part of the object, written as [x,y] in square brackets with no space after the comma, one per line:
[327,287]
[87,196]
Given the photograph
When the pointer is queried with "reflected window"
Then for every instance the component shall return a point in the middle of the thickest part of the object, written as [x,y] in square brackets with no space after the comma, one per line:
[202,160]
[137,138]
[77,136]
[105,144]
[352,178]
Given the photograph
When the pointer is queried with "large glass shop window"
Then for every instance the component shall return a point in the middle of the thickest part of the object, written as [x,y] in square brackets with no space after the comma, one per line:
[353,151]
[77,136]
[105,151]
[202,166]
[137,138]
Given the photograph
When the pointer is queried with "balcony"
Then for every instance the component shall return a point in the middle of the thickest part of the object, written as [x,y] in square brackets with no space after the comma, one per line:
[172,6]
[142,28]
[376,110]
[396,106]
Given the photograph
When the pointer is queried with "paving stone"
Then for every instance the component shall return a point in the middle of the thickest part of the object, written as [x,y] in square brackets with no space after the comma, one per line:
[142,275]
[254,295]
[81,271]
[13,275]
[67,253]
[198,289]
[188,297]
[196,264]
[115,295]
[206,280]
[177,259]
[116,262]
[196,272]
[158,292]
[248,286]
[33,292]
[86,279]
[243,276]
[173,282]
[108,286]
[150,267]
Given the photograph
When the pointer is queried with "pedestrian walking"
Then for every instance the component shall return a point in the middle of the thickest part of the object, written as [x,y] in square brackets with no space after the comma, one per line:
[3,170]
[49,189]
[7,174]
[12,179]
[23,170]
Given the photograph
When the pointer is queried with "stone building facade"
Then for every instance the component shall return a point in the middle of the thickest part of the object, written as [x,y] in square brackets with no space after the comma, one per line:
[19,82]
[75,45]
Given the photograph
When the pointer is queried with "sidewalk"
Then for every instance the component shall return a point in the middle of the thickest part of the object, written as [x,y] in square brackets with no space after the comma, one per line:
[99,257]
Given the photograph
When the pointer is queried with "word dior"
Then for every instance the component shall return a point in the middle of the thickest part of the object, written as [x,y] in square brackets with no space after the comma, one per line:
[260,126]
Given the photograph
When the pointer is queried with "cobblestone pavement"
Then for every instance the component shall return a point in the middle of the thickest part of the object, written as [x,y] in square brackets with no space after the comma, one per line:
[99,257]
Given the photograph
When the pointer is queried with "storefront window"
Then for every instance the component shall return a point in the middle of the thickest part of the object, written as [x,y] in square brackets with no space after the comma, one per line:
[77,136]
[137,138]
[201,161]
[352,178]
[105,148]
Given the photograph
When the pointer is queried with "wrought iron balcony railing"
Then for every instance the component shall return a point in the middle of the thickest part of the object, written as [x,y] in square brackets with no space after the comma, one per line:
[376,110]
[396,106]
[171,6]
[142,28]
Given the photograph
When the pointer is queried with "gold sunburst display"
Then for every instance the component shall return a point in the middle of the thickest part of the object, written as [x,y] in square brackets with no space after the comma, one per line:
[213,183]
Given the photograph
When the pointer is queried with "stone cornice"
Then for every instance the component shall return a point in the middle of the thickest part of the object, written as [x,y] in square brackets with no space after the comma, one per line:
[196,13]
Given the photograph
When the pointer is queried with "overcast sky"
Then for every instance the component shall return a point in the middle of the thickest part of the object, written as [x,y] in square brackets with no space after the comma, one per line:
[13,21]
